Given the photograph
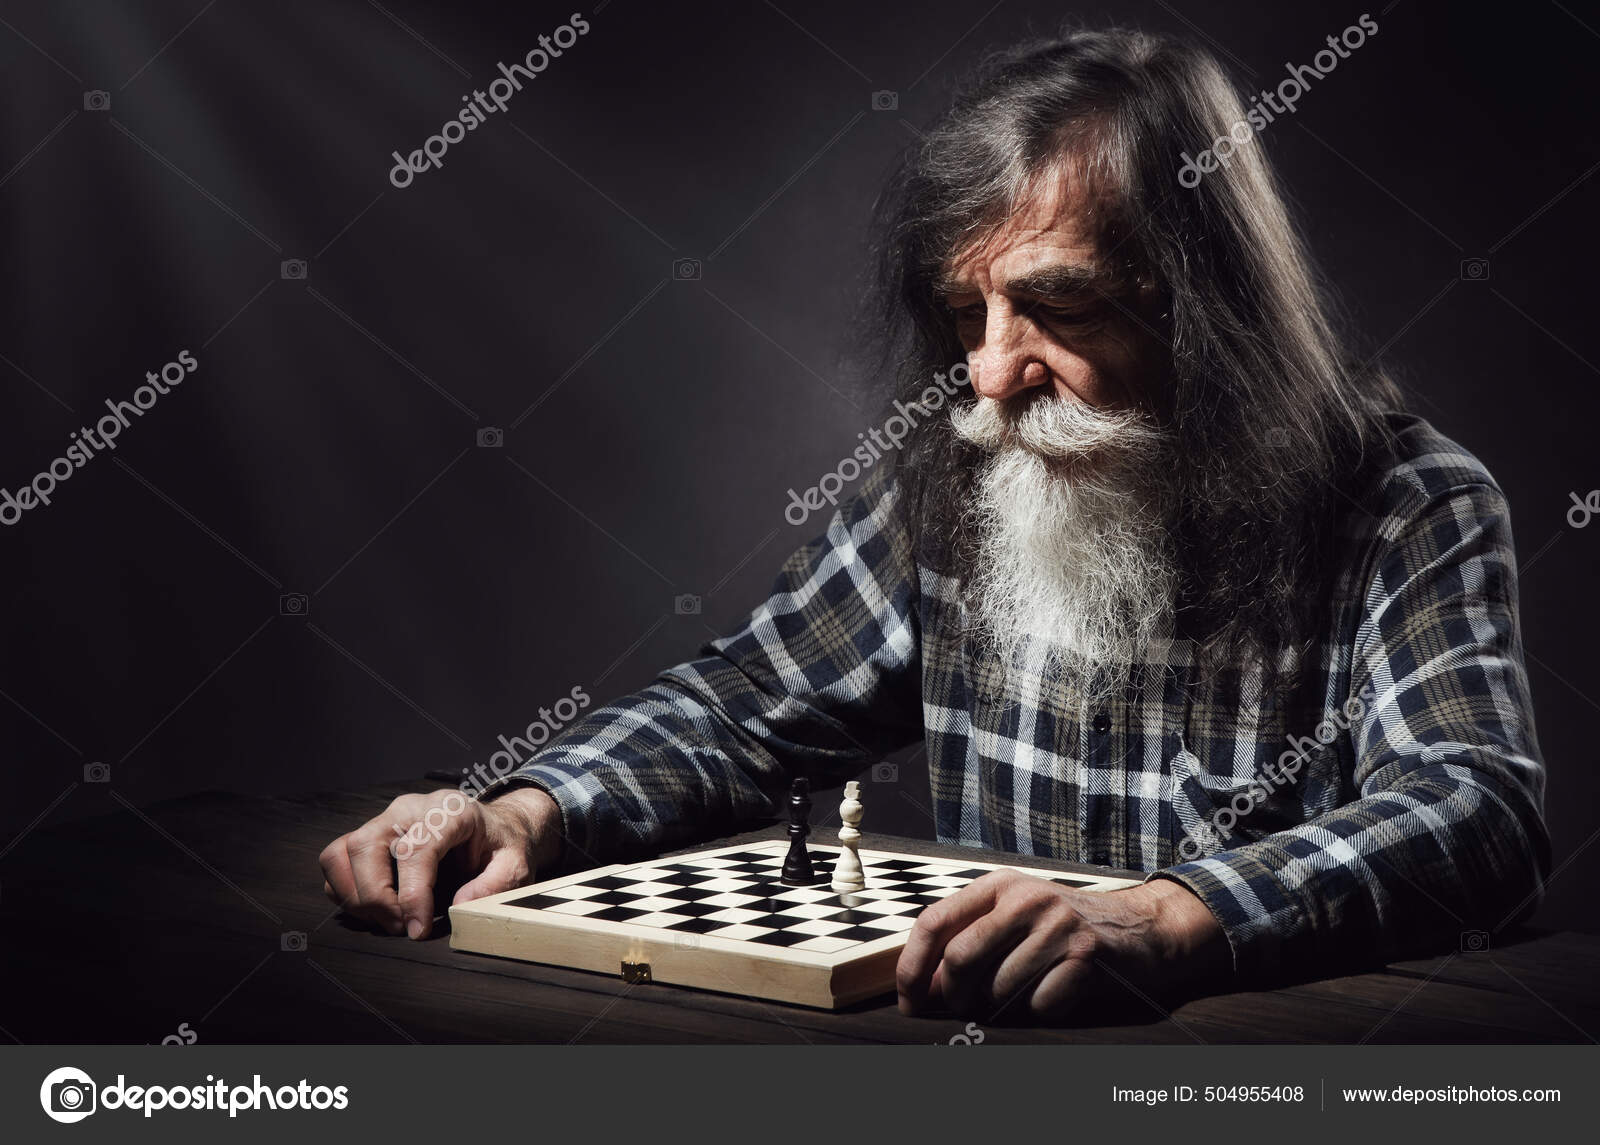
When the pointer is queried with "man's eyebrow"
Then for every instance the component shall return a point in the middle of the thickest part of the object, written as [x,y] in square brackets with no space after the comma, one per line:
[1067,280]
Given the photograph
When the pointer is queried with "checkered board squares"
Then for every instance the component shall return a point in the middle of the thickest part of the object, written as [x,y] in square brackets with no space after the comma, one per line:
[724,920]
[739,896]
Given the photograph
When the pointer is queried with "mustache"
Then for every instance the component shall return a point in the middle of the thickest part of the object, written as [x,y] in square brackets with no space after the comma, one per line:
[1057,429]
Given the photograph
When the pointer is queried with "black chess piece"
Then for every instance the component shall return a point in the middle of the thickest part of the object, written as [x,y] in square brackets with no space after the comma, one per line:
[797,869]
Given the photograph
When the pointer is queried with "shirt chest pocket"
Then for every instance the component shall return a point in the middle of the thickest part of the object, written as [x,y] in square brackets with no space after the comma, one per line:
[1290,786]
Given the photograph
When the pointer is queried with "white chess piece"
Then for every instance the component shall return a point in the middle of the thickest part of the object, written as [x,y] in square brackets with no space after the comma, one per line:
[847,872]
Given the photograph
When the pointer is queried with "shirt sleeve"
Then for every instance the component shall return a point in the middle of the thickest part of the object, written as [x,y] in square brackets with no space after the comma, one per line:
[1446,839]
[822,679]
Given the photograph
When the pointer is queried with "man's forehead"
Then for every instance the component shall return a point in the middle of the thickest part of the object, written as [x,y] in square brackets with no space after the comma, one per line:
[1048,231]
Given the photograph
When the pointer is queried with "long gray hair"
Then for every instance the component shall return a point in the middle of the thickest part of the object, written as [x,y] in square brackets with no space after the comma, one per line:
[1274,424]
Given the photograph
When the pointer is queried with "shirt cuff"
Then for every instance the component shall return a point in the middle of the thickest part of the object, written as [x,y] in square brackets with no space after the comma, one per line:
[1265,921]
[578,795]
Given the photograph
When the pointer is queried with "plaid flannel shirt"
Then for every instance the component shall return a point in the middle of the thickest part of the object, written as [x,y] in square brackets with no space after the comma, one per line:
[1390,801]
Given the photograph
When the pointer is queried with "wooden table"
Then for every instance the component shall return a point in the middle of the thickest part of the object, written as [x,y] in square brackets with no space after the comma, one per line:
[202,919]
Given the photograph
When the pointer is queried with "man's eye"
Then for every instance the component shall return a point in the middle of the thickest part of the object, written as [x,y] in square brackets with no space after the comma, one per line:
[1078,316]
[973,312]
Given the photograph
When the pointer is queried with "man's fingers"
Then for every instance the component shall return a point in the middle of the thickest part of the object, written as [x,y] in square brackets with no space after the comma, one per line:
[935,927]
[1063,989]
[418,867]
[507,868]
[1022,970]
[417,860]
[339,882]
[359,868]
[965,977]
[375,897]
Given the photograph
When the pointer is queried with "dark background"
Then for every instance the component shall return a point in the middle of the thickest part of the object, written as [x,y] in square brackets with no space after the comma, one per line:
[327,443]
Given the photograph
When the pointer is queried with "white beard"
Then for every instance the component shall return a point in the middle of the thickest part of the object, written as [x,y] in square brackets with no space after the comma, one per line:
[1074,566]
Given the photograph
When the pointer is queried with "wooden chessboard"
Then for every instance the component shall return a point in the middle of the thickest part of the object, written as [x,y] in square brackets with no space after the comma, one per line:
[721,920]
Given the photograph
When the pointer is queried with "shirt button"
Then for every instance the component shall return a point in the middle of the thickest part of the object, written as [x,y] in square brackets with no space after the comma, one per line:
[1102,723]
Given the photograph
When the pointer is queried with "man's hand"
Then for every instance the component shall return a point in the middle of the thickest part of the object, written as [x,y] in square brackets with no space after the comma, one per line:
[498,845]
[1015,944]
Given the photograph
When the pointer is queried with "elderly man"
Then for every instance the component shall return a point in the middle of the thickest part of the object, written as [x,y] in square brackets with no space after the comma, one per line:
[1177,588]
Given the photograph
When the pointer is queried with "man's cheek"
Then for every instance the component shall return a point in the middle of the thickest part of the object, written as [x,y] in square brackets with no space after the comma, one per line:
[1123,368]
[1086,378]
[1123,356]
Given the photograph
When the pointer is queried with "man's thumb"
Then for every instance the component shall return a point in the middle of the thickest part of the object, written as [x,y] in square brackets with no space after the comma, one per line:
[507,869]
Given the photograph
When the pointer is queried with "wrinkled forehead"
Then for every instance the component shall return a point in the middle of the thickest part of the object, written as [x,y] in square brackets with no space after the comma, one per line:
[1056,219]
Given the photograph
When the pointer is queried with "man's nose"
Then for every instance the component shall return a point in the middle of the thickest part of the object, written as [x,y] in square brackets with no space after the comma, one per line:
[1005,364]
